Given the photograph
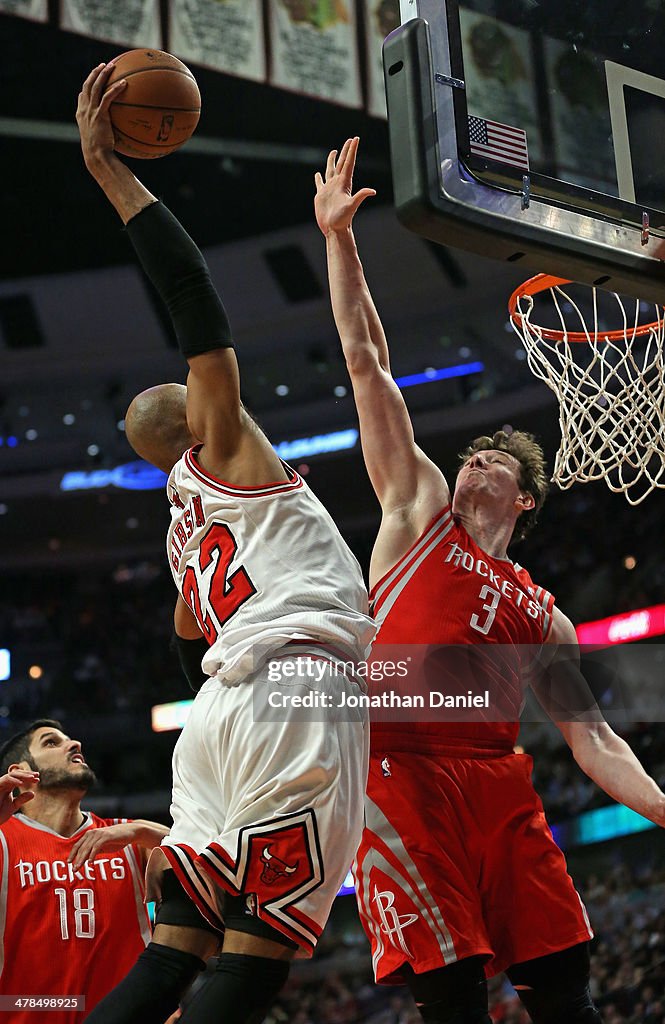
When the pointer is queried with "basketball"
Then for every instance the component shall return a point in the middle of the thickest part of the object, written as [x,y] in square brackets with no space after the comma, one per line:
[160,106]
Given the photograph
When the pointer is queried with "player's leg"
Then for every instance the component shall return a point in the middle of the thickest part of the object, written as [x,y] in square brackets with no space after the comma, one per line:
[455,994]
[293,816]
[555,987]
[416,876]
[249,974]
[182,942]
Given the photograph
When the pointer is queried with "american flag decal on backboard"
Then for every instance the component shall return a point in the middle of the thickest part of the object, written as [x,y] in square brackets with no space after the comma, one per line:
[498,142]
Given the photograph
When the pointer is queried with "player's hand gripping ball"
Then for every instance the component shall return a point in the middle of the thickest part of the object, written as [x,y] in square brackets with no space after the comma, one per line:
[158,109]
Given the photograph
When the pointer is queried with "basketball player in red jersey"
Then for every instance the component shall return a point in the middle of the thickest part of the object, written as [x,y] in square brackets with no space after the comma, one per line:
[72,912]
[458,875]
[267,810]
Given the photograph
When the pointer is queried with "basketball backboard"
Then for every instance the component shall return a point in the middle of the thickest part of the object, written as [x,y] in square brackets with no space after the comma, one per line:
[533,131]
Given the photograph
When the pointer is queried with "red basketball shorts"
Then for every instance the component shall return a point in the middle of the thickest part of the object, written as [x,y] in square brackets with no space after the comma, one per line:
[457,860]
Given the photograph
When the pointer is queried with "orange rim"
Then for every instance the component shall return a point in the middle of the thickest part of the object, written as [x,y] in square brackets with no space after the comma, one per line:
[542,283]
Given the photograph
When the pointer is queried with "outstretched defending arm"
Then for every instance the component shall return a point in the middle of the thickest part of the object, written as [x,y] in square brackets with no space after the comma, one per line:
[179,272]
[600,753]
[406,482]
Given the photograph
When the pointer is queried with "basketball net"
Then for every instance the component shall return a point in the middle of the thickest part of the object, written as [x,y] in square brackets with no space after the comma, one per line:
[610,385]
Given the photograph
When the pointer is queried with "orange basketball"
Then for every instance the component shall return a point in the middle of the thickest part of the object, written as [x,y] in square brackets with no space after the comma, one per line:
[159,107]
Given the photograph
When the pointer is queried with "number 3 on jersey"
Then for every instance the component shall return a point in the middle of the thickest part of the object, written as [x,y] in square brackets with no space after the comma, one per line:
[226,593]
[490,607]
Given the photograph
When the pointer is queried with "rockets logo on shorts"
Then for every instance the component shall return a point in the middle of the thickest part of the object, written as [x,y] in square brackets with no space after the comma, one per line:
[392,923]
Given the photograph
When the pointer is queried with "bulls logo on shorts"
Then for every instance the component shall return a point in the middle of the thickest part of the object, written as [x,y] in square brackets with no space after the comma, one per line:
[274,867]
[278,863]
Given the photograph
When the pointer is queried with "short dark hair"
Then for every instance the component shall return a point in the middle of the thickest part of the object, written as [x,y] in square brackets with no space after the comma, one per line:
[533,475]
[17,747]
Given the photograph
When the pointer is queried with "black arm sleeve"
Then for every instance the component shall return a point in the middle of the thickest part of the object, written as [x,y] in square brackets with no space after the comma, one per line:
[190,654]
[176,267]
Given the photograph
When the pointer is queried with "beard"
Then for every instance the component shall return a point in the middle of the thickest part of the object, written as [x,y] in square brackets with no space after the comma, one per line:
[63,778]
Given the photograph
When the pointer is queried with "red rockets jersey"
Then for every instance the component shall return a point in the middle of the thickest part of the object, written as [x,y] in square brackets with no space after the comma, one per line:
[447,591]
[65,932]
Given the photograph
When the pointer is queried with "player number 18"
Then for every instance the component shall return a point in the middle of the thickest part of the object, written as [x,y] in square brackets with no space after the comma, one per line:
[84,913]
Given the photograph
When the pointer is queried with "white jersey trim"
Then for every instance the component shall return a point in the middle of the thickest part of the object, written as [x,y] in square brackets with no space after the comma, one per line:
[139,894]
[423,553]
[386,581]
[31,823]
[277,487]
[4,887]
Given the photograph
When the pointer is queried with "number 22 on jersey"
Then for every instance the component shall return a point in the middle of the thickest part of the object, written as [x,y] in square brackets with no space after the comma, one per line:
[226,593]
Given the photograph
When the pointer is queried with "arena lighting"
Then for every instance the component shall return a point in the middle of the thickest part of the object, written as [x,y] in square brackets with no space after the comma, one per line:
[621,629]
[347,887]
[141,476]
[462,370]
[599,826]
[165,717]
[306,447]
[130,476]
[5,664]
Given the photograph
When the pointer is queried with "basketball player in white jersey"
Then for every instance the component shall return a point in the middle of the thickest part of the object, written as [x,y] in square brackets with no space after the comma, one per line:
[267,809]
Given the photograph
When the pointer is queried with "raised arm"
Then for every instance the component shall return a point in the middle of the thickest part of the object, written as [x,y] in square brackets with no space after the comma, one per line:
[600,753]
[406,482]
[176,267]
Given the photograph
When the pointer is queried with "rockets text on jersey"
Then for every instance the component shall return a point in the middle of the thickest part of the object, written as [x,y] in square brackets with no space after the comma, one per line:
[64,931]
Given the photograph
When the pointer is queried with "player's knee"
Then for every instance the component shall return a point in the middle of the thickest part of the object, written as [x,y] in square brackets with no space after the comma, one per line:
[240,990]
[556,987]
[456,994]
[237,919]
[176,911]
[549,1006]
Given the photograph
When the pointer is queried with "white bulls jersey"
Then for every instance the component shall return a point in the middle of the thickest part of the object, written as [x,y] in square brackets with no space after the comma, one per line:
[260,567]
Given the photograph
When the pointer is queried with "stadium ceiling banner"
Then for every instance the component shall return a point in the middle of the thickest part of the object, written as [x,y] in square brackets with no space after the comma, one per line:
[314,49]
[34,10]
[227,36]
[381,17]
[129,23]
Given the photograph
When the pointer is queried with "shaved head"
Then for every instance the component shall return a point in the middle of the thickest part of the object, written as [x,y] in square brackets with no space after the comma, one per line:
[156,425]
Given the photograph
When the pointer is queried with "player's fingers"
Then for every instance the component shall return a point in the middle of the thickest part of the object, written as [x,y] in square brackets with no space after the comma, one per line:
[318,181]
[90,80]
[80,853]
[18,777]
[346,159]
[330,165]
[99,85]
[23,798]
[112,93]
[361,196]
[78,846]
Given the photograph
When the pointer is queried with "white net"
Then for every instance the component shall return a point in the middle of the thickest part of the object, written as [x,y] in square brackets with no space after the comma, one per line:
[610,385]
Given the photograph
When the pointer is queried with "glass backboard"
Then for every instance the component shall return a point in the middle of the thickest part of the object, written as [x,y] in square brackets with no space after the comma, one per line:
[534,131]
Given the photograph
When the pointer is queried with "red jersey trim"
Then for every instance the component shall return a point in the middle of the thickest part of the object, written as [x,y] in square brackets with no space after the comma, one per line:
[275,487]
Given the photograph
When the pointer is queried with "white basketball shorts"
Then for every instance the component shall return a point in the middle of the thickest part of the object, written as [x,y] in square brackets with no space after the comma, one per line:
[268,793]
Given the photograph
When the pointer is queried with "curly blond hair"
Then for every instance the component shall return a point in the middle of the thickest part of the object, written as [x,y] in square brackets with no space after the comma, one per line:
[533,475]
